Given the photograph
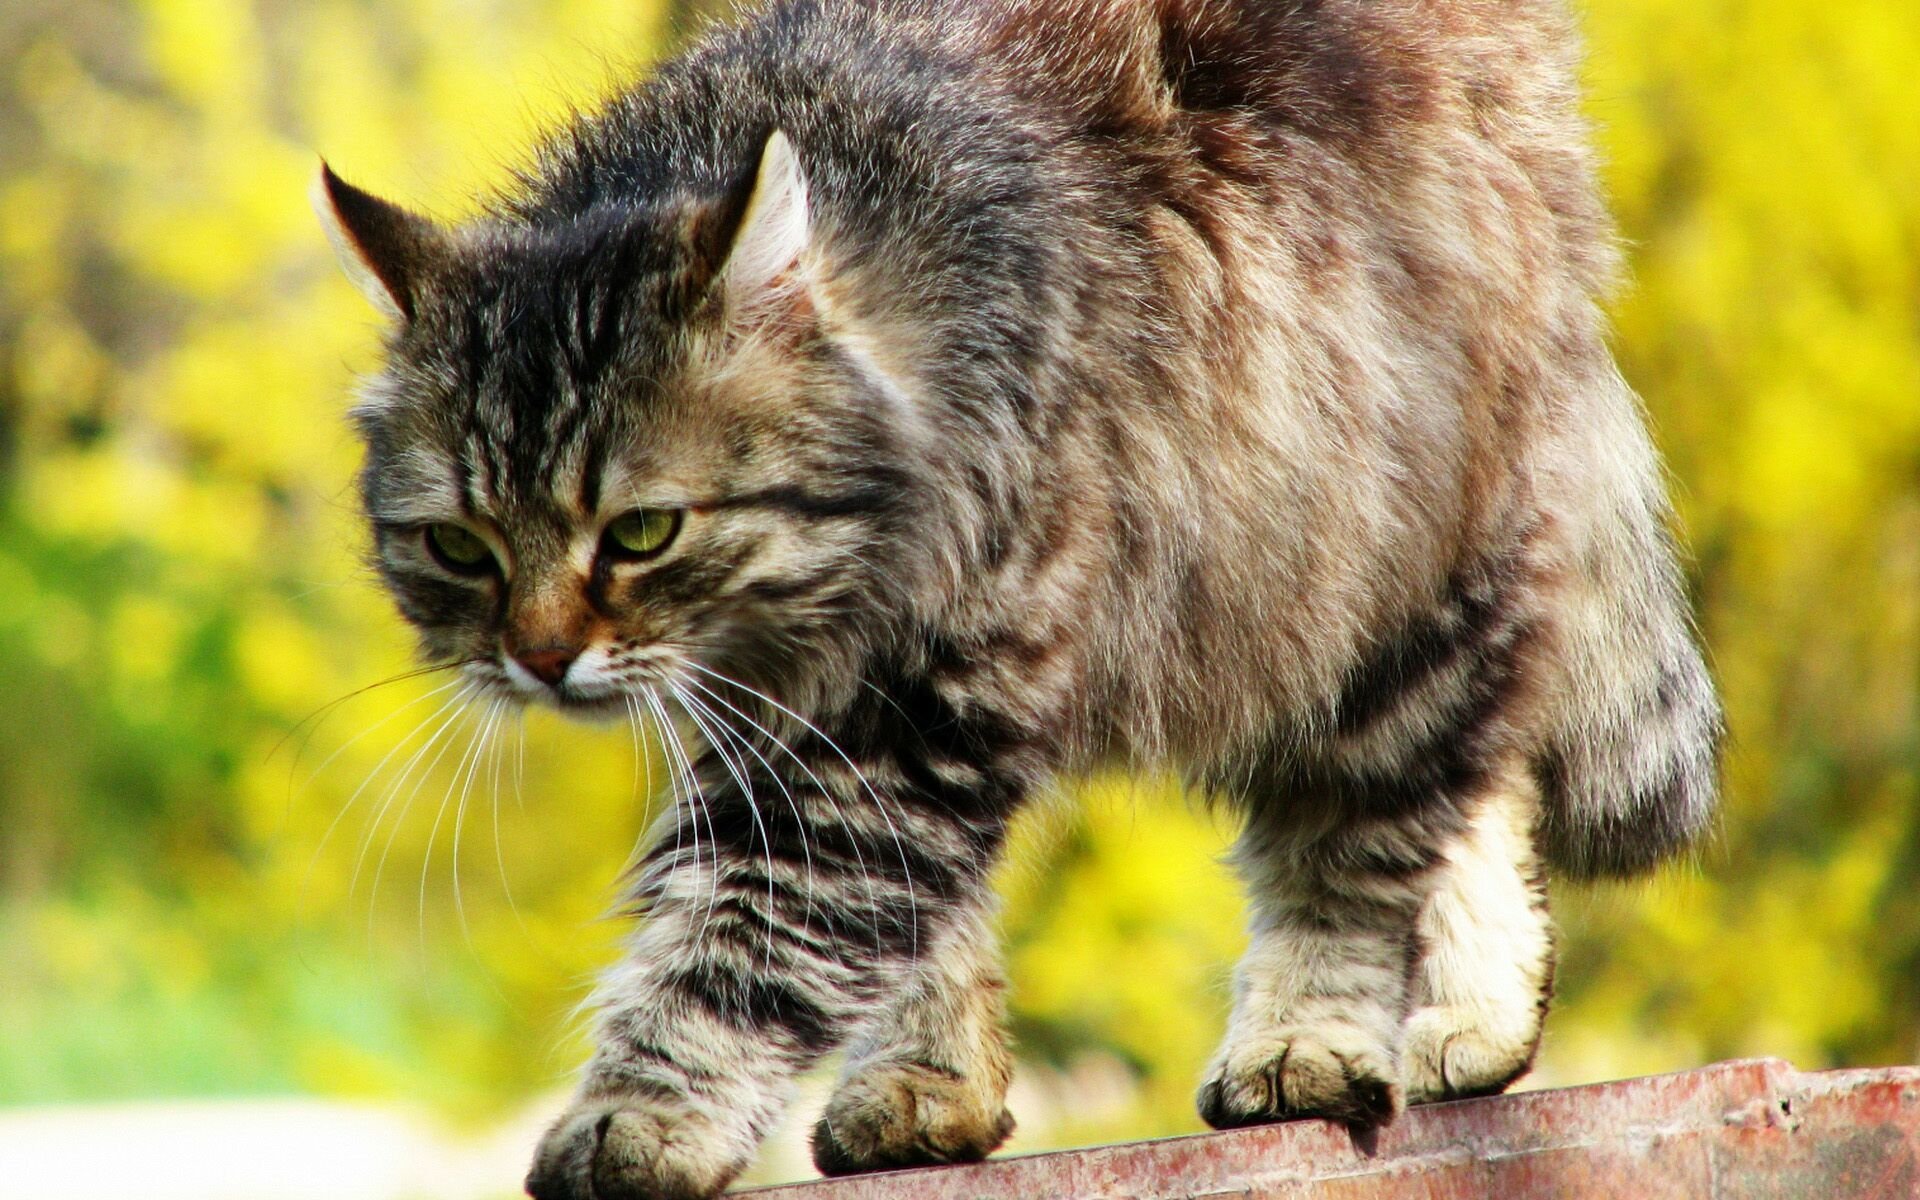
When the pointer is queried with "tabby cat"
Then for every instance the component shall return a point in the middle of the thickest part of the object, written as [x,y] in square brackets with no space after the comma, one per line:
[922,401]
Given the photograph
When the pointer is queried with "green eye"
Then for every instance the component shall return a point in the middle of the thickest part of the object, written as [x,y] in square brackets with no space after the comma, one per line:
[459,549]
[642,532]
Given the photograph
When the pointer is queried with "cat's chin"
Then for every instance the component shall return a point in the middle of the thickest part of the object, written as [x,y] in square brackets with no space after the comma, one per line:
[598,708]
[594,710]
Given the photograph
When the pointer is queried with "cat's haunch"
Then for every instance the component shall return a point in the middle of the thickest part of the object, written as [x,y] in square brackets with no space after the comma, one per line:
[908,404]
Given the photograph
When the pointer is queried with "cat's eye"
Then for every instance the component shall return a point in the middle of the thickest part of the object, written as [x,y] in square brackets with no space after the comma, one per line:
[459,549]
[642,533]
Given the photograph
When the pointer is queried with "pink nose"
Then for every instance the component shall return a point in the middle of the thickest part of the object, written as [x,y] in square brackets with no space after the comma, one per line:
[548,664]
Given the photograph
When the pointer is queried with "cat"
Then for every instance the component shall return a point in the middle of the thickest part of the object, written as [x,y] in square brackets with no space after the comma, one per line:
[925,401]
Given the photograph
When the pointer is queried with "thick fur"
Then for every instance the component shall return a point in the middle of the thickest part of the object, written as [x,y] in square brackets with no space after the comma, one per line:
[1212,384]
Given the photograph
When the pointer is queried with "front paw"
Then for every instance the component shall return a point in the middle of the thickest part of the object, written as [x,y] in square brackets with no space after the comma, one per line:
[905,1115]
[1322,1072]
[627,1149]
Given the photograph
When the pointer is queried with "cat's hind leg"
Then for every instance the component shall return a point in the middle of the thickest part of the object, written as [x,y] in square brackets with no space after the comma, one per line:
[926,1081]
[1486,970]
[1322,995]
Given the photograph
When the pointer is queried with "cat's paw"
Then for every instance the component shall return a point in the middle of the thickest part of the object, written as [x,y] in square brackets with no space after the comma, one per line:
[903,1115]
[1450,1056]
[1323,1072]
[621,1150]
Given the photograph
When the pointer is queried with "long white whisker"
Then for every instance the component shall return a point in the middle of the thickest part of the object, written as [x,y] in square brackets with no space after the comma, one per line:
[520,764]
[805,846]
[641,753]
[696,801]
[879,804]
[746,790]
[485,741]
[460,770]
[681,808]
[339,816]
[380,868]
[452,710]
[499,853]
[347,745]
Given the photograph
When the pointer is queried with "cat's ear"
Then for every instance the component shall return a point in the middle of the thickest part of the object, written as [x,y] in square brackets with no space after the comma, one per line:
[775,228]
[754,241]
[387,251]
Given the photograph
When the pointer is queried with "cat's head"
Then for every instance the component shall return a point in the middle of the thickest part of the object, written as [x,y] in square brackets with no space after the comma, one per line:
[610,453]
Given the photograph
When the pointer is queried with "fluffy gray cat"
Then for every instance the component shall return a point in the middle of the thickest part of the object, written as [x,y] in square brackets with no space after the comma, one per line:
[926,400]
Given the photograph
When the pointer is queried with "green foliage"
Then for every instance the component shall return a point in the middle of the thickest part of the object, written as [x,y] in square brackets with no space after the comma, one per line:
[188,899]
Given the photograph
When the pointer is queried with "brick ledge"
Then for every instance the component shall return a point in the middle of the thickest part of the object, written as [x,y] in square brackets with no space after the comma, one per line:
[1746,1128]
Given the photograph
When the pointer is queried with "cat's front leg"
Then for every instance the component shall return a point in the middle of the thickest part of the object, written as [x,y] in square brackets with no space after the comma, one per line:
[759,946]
[926,1080]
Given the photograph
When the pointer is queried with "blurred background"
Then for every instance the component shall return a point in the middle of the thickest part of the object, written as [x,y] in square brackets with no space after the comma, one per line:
[264,934]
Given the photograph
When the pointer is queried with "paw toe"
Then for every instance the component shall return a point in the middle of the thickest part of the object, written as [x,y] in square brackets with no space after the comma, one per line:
[1301,1077]
[906,1116]
[607,1152]
[1448,1058]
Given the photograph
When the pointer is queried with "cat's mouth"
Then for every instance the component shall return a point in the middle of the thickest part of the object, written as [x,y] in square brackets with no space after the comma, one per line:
[595,707]
[611,706]
[584,699]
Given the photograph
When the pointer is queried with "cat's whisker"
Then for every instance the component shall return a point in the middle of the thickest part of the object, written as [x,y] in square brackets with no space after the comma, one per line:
[439,720]
[704,723]
[391,787]
[793,806]
[677,804]
[643,763]
[632,726]
[520,762]
[859,859]
[485,742]
[693,802]
[349,744]
[696,801]
[334,825]
[880,804]
[633,733]
[460,771]
[318,716]
[643,754]
[696,785]
[393,831]
[646,753]
[499,852]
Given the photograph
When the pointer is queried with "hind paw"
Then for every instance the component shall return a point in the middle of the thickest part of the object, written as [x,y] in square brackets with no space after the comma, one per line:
[1449,1056]
[1335,1073]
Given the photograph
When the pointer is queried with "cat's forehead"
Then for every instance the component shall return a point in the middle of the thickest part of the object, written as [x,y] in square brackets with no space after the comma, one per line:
[538,365]
[527,309]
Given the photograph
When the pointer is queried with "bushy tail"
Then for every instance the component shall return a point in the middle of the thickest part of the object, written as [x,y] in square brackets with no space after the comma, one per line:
[1629,772]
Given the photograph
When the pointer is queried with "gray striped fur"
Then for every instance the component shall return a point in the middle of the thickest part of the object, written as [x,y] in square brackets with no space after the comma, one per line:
[1045,385]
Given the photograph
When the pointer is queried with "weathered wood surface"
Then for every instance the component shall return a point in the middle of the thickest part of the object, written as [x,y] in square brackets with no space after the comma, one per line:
[1733,1131]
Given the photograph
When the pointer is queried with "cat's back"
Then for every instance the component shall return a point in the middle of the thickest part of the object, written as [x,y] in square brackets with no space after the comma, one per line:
[1390,96]
[1373,229]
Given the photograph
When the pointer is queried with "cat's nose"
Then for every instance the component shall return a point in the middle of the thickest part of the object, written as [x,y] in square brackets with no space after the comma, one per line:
[548,664]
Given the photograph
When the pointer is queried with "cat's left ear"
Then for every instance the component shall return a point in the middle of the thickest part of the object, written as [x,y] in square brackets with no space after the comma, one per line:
[386,250]
[757,245]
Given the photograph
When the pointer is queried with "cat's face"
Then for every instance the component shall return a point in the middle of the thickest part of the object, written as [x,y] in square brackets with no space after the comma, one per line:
[606,460]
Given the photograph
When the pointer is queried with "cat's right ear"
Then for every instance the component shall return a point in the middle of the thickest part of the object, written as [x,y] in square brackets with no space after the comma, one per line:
[387,251]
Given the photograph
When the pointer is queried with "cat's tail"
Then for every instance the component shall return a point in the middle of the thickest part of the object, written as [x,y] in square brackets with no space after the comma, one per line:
[1629,767]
